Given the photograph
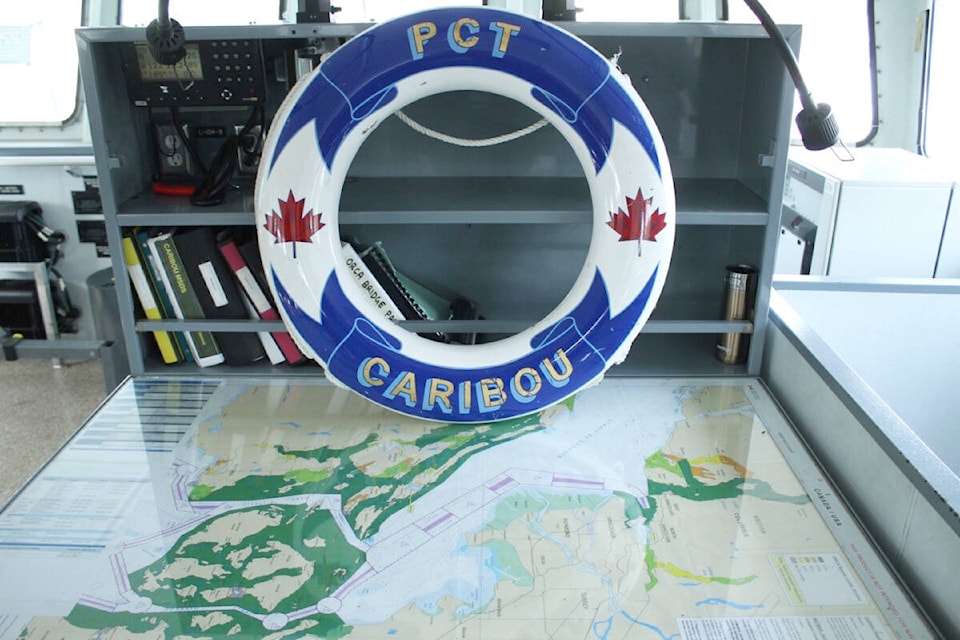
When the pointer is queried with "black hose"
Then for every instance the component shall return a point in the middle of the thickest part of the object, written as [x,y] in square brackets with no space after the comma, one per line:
[789,59]
[817,125]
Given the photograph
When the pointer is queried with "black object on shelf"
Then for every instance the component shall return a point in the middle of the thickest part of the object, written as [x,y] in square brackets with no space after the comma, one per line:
[20,309]
[217,293]
[558,10]
[313,11]
[18,242]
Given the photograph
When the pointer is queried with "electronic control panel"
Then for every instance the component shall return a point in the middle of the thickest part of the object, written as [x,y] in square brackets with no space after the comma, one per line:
[212,73]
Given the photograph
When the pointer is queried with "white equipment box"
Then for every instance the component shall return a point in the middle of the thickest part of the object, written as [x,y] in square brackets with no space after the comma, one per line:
[880,214]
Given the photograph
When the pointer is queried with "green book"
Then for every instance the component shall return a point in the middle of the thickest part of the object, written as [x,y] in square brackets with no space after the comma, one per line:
[151,269]
[186,306]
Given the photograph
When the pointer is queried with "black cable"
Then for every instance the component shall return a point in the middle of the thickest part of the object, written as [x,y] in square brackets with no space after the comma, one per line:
[251,146]
[158,143]
[212,189]
[216,180]
[49,236]
[65,310]
[789,59]
[255,116]
[818,128]
[185,139]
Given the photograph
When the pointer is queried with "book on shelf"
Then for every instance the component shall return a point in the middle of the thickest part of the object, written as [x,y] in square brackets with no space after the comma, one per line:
[372,289]
[244,261]
[183,299]
[267,341]
[398,288]
[151,268]
[148,301]
[217,293]
[410,298]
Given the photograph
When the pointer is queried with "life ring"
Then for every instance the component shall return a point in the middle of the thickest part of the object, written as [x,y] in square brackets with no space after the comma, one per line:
[392,65]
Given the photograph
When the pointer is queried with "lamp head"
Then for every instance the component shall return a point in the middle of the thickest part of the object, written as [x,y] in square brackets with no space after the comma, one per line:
[166,42]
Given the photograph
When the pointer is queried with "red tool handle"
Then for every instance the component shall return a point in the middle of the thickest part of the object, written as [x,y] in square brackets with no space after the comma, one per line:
[183,190]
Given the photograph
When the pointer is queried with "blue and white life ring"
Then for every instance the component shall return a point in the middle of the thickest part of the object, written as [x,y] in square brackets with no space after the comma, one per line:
[317,133]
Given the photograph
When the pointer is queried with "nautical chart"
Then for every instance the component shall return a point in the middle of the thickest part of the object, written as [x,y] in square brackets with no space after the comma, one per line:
[638,509]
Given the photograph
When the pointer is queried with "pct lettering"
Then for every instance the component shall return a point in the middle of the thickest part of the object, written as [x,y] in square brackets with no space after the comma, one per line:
[504,31]
[462,36]
[455,35]
[418,35]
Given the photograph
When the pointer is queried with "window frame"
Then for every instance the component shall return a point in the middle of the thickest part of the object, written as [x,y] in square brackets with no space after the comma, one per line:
[928,77]
[76,116]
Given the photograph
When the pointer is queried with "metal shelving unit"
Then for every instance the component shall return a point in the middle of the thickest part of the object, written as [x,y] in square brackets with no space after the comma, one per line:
[718,94]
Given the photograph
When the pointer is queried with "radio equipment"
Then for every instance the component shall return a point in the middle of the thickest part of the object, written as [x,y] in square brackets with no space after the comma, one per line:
[211,73]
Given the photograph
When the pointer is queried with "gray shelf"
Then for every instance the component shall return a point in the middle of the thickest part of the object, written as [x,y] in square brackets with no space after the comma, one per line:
[459,201]
[714,201]
[675,355]
[449,326]
[465,200]
[149,210]
[652,355]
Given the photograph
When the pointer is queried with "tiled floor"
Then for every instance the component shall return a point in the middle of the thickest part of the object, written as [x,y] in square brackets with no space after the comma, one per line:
[40,408]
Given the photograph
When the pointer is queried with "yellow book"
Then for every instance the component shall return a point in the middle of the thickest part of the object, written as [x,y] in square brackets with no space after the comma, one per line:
[132,259]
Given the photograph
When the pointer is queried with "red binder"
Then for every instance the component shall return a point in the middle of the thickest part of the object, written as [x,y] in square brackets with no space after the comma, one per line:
[259,299]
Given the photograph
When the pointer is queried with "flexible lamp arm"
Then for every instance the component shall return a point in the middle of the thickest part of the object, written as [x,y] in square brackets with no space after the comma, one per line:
[163,13]
[818,128]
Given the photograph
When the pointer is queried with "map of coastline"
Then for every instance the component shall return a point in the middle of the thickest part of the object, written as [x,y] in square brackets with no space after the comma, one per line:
[309,513]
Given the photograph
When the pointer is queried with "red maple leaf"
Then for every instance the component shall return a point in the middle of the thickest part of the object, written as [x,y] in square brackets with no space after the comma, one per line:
[635,223]
[655,225]
[290,225]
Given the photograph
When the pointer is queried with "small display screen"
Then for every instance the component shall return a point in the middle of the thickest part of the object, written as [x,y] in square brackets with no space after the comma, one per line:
[189,68]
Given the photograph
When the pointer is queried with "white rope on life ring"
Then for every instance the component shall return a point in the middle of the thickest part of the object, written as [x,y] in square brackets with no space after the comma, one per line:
[465,142]
[321,126]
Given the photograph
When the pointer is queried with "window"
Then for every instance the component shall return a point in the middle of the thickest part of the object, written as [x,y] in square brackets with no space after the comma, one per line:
[216,12]
[38,62]
[942,135]
[140,13]
[834,55]
[635,11]
[381,10]
[589,10]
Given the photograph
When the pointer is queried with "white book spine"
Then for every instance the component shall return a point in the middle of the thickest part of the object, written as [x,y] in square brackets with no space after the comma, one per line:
[372,291]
